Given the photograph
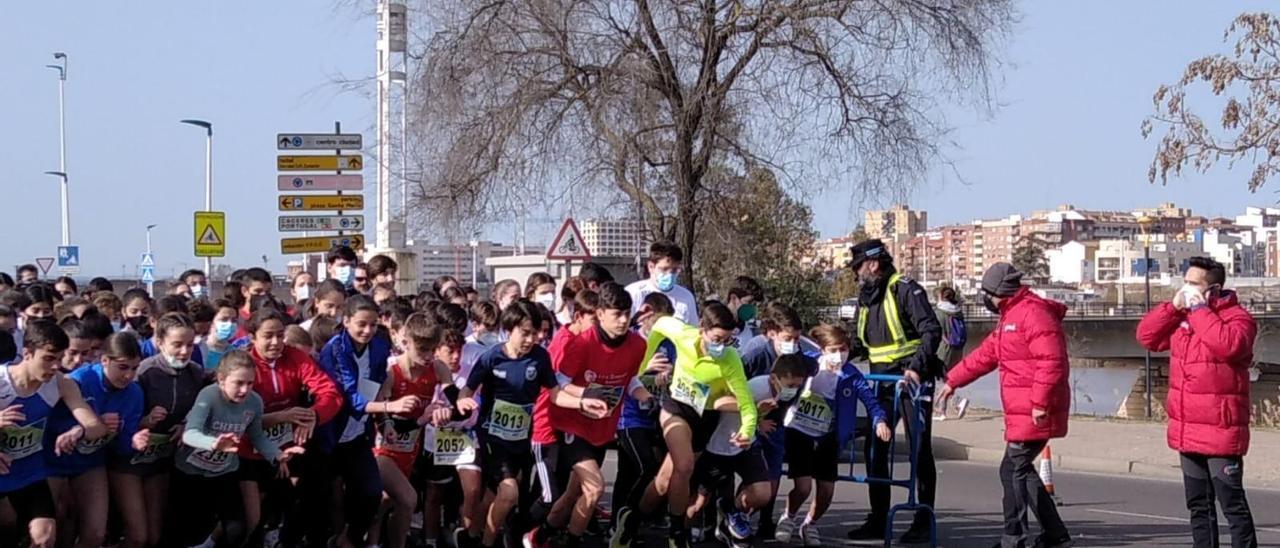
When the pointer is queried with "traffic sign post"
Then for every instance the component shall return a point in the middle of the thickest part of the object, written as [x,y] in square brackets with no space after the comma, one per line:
[320,182]
[305,223]
[319,163]
[45,263]
[69,259]
[211,234]
[568,246]
[319,141]
[320,244]
[320,202]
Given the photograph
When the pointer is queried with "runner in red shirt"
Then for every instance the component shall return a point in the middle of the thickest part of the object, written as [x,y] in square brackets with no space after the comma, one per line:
[600,363]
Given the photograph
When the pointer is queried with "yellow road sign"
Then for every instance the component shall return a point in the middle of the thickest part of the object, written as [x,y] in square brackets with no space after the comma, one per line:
[211,234]
[318,163]
[320,244]
[321,202]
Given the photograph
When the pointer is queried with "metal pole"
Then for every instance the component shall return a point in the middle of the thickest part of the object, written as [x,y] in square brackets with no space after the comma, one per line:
[208,187]
[151,284]
[62,143]
[1146,255]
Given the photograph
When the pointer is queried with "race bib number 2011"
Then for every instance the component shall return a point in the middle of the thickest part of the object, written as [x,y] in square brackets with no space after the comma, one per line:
[22,441]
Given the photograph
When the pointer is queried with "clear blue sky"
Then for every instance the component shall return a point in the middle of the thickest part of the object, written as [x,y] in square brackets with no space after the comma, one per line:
[1078,84]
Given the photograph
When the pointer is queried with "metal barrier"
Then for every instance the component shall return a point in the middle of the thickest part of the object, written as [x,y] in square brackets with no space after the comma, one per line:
[915,429]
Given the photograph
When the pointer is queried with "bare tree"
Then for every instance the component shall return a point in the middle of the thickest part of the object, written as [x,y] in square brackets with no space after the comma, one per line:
[525,98]
[1249,125]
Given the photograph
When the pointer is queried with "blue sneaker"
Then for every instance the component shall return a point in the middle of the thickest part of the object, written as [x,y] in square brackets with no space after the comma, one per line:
[739,525]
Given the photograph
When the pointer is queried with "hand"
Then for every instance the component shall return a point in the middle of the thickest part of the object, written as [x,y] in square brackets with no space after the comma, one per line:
[739,441]
[112,420]
[302,434]
[4,463]
[764,407]
[1038,416]
[662,380]
[140,439]
[912,377]
[287,454]
[594,408]
[404,406]
[659,363]
[883,432]
[441,416]
[156,416]
[66,442]
[767,426]
[467,405]
[1180,301]
[300,416]
[226,442]
[12,416]
[944,394]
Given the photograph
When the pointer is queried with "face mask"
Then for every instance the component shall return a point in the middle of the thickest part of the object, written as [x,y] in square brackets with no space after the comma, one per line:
[224,330]
[176,363]
[715,350]
[788,347]
[990,304]
[488,338]
[747,312]
[665,281]
[344,274]
[546,299]
[835,359]
[787,393]
[302,293]
[199,291]
[116,326]
[141,325]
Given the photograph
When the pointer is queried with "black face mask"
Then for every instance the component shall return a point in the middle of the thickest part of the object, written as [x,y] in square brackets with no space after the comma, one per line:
[141,325]
[990,304]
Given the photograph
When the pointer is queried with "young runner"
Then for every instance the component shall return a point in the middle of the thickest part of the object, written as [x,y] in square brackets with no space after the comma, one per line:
[329,299]
[705,369]
[224,415]
[665,259]
[169,382]
[508,378]
[29,391]
[640,446]
[222,331]
[811,447]
[76,466]
[600,362]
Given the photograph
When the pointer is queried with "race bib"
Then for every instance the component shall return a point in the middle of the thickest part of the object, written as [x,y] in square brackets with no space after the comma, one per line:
[211,461]
[508,421]
[86,447]
[811,415]
[690,392]
[454,448]
[400,442]
[610,394]
[280,433]
[22,441]
[159,446]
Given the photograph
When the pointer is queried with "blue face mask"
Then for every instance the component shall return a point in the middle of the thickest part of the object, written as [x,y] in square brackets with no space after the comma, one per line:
[344,274]
[665,281]
[224,330]
[198,291]
[715,350]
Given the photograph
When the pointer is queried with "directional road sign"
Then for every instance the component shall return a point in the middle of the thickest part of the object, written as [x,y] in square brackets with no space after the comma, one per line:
[45,263]
[320,244]
[319,141]
[211,234]
[321,202]
[320,182]
[69,259]
[305,223]
[318,163]
[148,274]
[568,245]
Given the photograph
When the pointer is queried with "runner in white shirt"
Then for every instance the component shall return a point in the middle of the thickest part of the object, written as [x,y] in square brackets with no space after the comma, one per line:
[665,259]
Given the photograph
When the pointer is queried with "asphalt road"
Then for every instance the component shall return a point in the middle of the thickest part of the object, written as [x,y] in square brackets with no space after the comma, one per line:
[1099,511]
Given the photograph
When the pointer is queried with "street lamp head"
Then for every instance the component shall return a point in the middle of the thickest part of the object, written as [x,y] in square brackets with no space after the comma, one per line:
[149,227]
[199,123]
[59,55]
[56,174]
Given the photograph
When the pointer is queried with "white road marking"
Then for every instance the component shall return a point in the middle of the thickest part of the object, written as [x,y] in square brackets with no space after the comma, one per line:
[1165,518]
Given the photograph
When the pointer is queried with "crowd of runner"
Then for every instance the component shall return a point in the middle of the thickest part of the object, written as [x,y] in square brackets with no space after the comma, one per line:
[352,416]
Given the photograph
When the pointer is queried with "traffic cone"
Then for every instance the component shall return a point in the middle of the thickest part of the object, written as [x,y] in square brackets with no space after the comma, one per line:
[1046,473]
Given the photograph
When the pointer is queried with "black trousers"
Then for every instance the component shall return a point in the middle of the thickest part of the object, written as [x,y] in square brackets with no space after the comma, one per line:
[927,469]
[640,453]
[205,502]
[1024,491]
[1222,478]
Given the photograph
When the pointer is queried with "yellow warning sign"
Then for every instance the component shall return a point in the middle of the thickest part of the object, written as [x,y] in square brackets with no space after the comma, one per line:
[318,163]
[211,234]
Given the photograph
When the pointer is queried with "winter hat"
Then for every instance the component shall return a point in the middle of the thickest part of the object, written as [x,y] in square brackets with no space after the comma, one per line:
[1002,280]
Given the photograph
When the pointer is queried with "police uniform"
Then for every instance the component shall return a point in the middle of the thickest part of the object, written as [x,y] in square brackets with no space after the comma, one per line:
[897,331]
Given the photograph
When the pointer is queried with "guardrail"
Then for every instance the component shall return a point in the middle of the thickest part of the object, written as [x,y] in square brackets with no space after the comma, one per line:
[976,311]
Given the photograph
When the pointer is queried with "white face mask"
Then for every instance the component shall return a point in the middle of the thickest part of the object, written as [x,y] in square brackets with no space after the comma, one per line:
[176,363]
[198,291]
[787,393]
[788,347]
[546,299]
[834,360]
[301,293]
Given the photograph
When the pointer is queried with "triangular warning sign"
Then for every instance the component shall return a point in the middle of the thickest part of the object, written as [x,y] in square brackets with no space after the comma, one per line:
[568,244]
[209,237]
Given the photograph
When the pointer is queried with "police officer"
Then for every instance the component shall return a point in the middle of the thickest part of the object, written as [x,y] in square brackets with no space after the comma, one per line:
[898,333]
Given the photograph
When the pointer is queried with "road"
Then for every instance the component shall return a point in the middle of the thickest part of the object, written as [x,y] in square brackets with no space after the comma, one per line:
[1100,510]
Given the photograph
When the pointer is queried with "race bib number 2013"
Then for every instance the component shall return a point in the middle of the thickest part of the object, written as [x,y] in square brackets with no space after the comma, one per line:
[508,421]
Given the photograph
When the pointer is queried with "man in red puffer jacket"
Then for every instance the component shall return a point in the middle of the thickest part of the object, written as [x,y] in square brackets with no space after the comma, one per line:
[1029,348]
[1209,337]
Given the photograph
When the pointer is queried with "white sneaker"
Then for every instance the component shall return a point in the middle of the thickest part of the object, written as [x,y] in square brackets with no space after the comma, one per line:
[785,528]
[416,522]
[962,407]
[809,534]
[939,418]
[271,538]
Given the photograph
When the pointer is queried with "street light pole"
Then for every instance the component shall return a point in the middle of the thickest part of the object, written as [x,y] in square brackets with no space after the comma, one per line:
[1144,223]
[208,176]
[151,285]
[62,142]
